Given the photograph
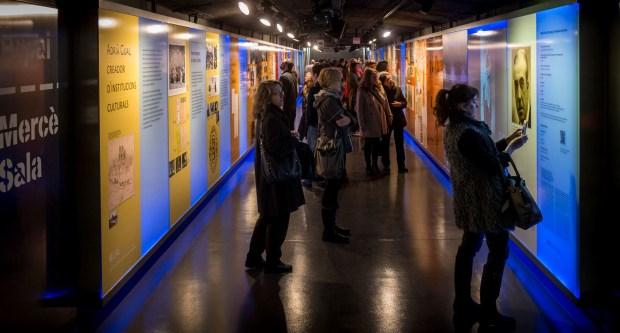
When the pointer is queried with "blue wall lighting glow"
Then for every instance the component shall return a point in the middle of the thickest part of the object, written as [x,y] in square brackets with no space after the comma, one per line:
[243,86]
[154,198]
[557,35]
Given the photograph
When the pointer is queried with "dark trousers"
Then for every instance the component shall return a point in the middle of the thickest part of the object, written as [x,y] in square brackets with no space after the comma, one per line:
[329,203]
[385,149]
[269,234]
[399,142]
[372,147]
[491,274]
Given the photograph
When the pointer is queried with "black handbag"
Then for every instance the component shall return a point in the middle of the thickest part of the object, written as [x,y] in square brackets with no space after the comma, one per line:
[519,207]
[306,158]
[329,157]
[278,169]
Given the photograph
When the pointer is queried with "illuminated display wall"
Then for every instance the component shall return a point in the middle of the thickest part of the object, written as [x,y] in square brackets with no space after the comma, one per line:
[526,69]
[175,114]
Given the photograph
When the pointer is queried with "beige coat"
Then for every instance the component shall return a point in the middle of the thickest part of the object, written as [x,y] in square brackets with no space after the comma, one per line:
[373,112]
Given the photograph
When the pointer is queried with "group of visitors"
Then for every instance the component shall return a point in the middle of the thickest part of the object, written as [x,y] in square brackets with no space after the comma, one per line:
[341,98]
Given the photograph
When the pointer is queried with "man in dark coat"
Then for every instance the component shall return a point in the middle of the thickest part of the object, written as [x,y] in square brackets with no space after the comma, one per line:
[289,86]
[398,103]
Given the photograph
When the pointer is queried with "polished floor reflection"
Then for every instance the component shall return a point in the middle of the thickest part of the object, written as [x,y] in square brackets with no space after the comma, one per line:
[395,276]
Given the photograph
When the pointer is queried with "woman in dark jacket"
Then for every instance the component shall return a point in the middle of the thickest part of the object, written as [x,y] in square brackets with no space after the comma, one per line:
[332,124]
[476,167]
[276,200]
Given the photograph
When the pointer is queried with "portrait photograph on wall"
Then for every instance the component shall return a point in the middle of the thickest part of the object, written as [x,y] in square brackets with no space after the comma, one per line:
[176,69]
[520,79]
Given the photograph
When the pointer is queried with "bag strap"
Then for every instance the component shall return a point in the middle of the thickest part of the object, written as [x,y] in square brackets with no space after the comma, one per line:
[512,163]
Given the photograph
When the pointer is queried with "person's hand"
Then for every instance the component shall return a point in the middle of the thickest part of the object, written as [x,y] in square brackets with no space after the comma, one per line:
[295,134]
[514,135]
[517,143]
[397,104]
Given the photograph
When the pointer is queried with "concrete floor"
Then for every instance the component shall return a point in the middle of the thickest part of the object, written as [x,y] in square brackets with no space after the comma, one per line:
[395,276]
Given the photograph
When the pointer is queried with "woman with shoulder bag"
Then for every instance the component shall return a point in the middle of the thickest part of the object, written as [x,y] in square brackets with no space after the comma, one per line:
[278,187]
[330,150]
[374,115]
[476,174]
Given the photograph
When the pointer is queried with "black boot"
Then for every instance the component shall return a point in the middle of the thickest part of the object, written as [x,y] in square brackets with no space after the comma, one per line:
[278,268]
[493,321]
[252,262]
[342,231]
[331,236]
[330,232]
[466,314]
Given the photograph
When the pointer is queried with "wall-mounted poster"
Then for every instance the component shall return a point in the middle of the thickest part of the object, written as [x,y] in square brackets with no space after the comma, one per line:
[245,80]
[435,75]
[420,93]
[119,126]
[155,191]
[179,120]
[198,149]
[402,67]
[520,85]
[176,69]
[557,65]
[235,109]
[522,93]
[224,104]
[213,108]
[410,85]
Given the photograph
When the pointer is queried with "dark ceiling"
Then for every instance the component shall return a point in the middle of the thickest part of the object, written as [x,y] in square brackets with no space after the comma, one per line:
[338,21]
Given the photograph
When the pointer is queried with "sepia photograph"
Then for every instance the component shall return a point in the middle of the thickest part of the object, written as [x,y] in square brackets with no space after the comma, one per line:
[176,68]
[520,80]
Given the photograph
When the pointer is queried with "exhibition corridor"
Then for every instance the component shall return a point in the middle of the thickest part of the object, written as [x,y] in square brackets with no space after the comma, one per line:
[395,275]
[298,166]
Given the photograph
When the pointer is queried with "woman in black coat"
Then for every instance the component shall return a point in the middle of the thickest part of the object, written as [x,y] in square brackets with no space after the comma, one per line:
[476,164]
[276,200]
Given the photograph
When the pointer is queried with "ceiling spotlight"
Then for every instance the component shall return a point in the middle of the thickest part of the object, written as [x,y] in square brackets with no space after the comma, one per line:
[244,8]
[265,21]
[374,40]
[290,35]
[316,47]
[369,42]
[279,27]
[295,39]
[309,44]
[387,34]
